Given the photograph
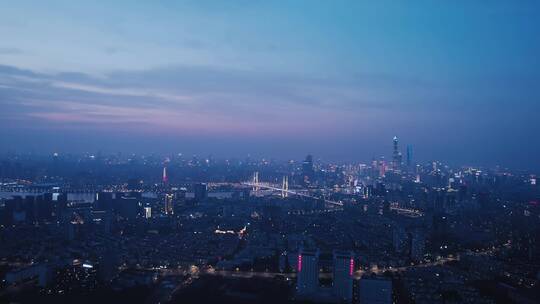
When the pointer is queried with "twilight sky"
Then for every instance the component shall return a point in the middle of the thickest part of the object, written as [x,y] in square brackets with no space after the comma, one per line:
[457,80]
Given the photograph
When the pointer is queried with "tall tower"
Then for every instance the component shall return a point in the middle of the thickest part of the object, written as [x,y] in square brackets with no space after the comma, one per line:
[308,271]
[165,178]
[343,275]
[409,156]
[396,155]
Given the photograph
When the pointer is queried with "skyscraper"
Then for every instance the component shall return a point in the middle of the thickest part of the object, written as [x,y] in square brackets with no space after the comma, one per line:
[147,212]
[382,167]
[200,191]
[108,264]
[308,271]
[307,169]
[169,208]
[343,272]
[396,155]
[129,207]
[417,245]
[399,239]
[409,156]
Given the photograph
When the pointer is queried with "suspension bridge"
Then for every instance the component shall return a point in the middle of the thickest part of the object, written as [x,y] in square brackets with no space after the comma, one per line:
[284,191]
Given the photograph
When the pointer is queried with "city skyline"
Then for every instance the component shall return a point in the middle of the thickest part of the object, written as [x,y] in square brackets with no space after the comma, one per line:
[281,80]
[249,151]
[397,158]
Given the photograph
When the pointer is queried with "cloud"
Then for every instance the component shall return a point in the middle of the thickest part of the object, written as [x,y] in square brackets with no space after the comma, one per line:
[218,100]
[133,92]
[112,50]
[171,99]
[10,51]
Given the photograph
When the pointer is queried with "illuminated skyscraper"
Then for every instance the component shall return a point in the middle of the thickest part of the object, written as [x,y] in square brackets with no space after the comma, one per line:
[147,212]
[396,155]
[396,151]
[343,275]
[308,271]
[374,168]
[169,208]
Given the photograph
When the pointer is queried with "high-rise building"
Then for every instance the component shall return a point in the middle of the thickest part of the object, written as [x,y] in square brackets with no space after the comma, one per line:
[440,227]
[308,271]
[169,208]
[200,191]
[375,291]
[418,244]
[41,271]
[108,264]
[102,220]
[128,207]
[147,212]
[382,167]
[307,170]
[374,168]
[179,193]
[409,156]
[343,275]
[396,155]
[399,239]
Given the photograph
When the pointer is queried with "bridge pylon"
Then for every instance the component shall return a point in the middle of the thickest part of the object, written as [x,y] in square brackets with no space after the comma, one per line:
[256,182]
[285,187]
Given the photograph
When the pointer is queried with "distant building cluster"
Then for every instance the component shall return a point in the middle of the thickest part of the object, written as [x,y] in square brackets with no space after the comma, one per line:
[400,231]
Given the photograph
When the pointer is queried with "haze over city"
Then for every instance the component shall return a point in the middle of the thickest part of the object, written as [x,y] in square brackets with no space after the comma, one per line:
[296,152]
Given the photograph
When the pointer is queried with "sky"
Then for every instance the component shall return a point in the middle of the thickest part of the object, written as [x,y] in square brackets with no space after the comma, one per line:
[459,81]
